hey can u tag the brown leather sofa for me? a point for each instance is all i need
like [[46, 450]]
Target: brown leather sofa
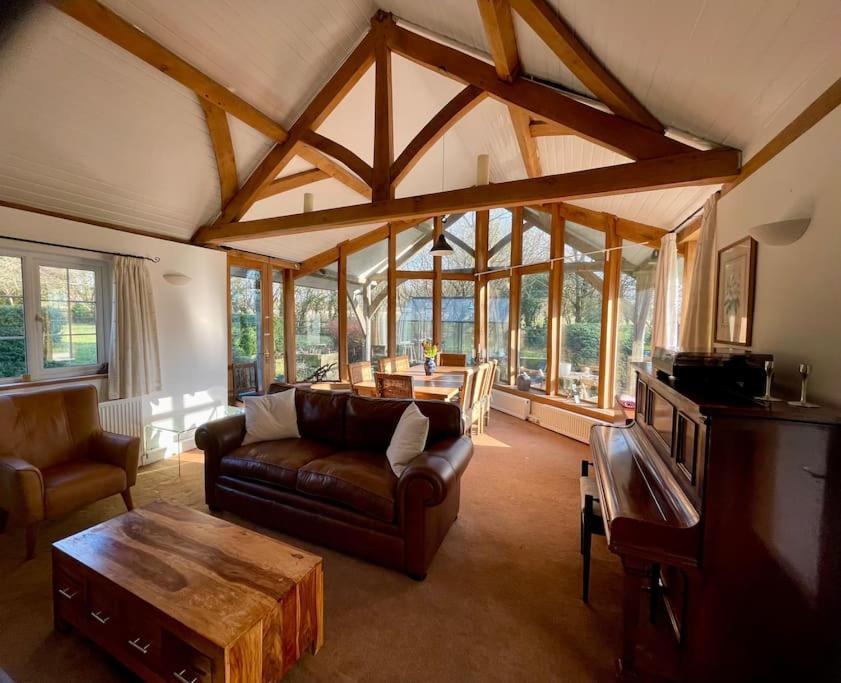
[[55, 458], [334, 485]]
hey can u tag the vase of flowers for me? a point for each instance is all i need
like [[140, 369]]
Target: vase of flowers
[[430, 353]]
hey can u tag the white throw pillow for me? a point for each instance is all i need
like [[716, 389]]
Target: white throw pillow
[[271, 417], [408, 440]]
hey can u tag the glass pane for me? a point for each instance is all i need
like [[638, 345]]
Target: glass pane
[[413, 247], [12, 332], [498, 302], [317, 326], [457, 317], [246, 330], [414, 318], [499, 238], [82, 285], [534, 308], [83, 318], [581, 313], [68, 316], [636, 289], [460, 231], [537, 231], [277, 326], [367, 310], [84, 349]]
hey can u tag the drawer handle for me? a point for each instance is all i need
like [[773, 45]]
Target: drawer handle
[[180, 677], [142, 649], [813, 474], [68, 593], [98, 616]]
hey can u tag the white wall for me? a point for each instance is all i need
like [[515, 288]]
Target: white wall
[[798, 287], [192, 319]]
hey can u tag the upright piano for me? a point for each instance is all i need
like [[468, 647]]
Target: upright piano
[[735, 505]]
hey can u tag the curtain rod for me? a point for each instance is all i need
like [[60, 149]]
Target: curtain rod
[[691, 215], [153, 259]]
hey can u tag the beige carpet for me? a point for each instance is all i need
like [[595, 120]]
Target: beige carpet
[[501, 602]]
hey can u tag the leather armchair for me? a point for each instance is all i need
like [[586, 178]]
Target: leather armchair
[[56, 458]]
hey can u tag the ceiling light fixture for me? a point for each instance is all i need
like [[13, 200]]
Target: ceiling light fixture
[[441, 247]]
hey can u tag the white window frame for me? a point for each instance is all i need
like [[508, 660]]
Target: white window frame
[[31, 261]]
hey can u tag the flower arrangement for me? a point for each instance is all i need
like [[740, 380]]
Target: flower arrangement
[[430, 349]]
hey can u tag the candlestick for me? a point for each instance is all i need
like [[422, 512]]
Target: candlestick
[[805, 371], [769, 376]]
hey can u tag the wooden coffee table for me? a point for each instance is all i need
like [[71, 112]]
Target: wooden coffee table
[[183, 597]]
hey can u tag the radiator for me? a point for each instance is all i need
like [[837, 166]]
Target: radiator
[[564, 422], [511, 404], [124, 417]]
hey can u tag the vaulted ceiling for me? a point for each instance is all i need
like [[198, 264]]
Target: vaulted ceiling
[[92, 131]]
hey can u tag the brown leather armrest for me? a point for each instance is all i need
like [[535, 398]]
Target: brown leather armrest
[[21, 490], [119, 450], [217, 439], [437, 468]]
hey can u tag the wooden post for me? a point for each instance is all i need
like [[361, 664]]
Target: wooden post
[[267, 327], [342, 311], [392, 290], [383, 113], [556, 289], [480, 291], [289, 340], [514, 294], [437, 286], [610, 307]]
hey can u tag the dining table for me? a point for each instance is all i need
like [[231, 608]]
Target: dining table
[[444, 384]]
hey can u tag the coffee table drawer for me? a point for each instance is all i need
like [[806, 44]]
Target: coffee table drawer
[[142, 638], [182, 663], [69, 593]]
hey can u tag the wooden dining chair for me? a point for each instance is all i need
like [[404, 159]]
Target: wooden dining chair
[[465, 400], [489, 385], [388, 365], [401, 363], [474, 413], [359, 372], [452, 359], [394, 386]]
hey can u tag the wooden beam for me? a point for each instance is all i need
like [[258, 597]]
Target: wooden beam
[[520, 120], [514, 290], [348, 75], [223, 149], [109, 25], [554, 333], [626, 137], [334, 170], [540, 129], [437, 288], [499, 31], [340, 153], [291, 182], [342, 312], [561, 39], [480, 289], [450, 114], [828, 100], [391, 314], [262, 258], [694, 168], [383, 112], [611, 298], [289, 341]]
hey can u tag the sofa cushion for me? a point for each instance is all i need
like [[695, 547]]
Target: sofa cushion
[[360, 480], [370, 422], [321, 415], [274, 462], [76, 483]]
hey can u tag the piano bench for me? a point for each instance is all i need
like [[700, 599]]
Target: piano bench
[[591, 523]]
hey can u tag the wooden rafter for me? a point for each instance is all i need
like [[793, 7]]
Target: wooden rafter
[[381, 184], [223, 149], [450, 114], [561, 39], [340, 153], [111, 26], [693, 168], [499, 31], [528, 146], [622, 135], [291, 182], [539, 129], [317, 111]]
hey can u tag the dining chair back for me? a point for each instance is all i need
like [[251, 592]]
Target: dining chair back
[[388, 365], [401, 363], [452, 359], [475, 415], [489, 385], [394, 386]]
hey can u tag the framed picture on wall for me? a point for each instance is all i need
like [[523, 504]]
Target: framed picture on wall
[[735, 284]]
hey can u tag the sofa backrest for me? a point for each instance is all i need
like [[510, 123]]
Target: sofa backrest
[[48, 427]]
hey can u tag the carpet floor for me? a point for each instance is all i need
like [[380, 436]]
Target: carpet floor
[[501, 601]]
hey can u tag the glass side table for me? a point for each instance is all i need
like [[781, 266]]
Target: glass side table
[[180, 427]]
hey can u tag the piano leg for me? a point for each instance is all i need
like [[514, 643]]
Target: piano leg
[[636, 572]]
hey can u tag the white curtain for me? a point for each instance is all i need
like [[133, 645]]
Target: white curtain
[[664, 325], [696, 334], [134, 366]]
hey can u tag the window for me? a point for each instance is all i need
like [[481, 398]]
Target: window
[[246, 329], [460, 231], [534, 310], [277, 326], [498, 297], [414, 318], [53, 315], [581, 314], [499, 238], [413, 247], [537, 236], [367, 309], [636, 289], [317, 324], [457, 317]]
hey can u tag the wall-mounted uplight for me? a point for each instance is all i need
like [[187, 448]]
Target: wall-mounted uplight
[[780, 233], [177, 279]]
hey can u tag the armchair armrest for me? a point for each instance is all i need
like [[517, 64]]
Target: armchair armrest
[[21, 490], [119, 450], [217, 439], [437, 468]]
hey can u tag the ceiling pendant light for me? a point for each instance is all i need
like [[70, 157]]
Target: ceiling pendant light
[[441, 248]]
